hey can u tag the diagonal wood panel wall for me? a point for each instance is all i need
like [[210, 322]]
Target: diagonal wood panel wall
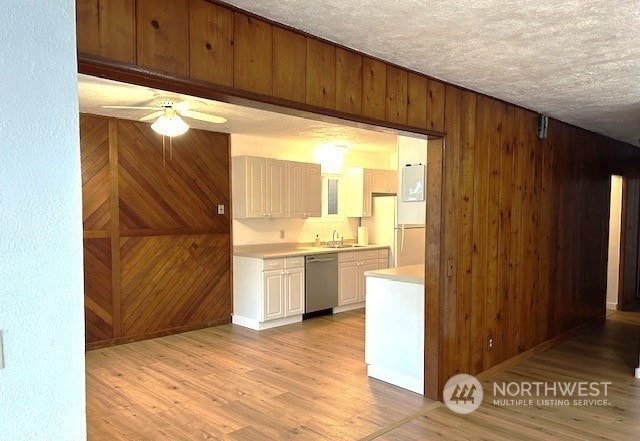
[[172, 261]]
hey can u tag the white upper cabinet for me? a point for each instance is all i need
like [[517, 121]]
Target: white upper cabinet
[[258, 187], [273, 188], [384, 181], [304, 189]]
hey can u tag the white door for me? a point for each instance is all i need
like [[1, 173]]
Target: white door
[[256, 173], [313, 188], [296, 174]]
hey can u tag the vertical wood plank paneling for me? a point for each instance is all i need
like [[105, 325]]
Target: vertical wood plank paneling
[[289, 65], [504, 235], [537, 234], [210, 43], [465, 227], [548, 227], [374, 84], [416, 100], [480, 229], [450, 206], [252, 54], [516, 264], [433, 282], [321, 74], [435, 105], [529, 268], [493, 232], [396, 106], [162, 35], [107, 29], [348, 81]]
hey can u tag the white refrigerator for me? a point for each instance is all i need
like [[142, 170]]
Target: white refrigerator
[[407, 241]]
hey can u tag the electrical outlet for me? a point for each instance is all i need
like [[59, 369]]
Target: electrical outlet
[[281, 234], [220, 209], [489, 342], [1, 352]]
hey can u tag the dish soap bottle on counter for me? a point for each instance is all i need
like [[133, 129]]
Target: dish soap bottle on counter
[[317, 240]]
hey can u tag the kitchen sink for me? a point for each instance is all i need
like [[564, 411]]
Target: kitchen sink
[[344, 245]]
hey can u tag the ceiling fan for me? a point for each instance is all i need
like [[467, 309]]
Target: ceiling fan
[[168, 113]]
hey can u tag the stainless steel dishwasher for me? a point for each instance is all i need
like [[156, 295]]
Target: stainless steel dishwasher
[[321, 283]]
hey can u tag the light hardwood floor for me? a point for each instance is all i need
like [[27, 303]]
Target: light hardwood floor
[[308, 381]]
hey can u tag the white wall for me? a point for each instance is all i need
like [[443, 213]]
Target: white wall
[[42, 386], [615, 221], [256, 231]]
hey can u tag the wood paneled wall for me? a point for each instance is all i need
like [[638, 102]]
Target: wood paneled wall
[[526, 230], [229, 50], [157, 256], [521, 247]]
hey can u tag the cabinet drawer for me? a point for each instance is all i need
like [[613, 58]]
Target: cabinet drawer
[[270, 264], [348, 257], [369, 254], [384, 253], [294, 262]]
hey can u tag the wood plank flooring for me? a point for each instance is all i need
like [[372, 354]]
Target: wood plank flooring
[[308, 382]]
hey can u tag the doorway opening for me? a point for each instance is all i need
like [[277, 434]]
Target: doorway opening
[[615, 233]]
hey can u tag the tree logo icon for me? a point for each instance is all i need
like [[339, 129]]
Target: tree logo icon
[[463, 393]]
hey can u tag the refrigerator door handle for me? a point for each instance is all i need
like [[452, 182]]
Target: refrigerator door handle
[[401, 240]]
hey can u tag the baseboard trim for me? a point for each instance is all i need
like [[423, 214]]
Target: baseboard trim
[[521, 357], [261, 326], [163, 333], [345, 308], [612, 306]]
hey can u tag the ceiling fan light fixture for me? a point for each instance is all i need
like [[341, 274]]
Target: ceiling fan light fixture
[[170, 125]]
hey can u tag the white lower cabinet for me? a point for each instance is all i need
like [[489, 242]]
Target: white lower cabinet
[[268, 292], [351, 281], [271, 292]]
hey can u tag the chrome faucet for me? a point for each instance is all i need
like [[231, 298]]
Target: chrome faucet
[[333, 236]]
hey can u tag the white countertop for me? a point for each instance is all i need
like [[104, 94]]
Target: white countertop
[[407, 274], [269, 251]]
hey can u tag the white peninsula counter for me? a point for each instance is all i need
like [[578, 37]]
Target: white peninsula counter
[[394, 326]]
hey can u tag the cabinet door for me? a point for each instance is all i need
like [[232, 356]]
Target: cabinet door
[[275, 188], [296, 174], [255, 170], [367, 265], [379, 181], [273, 295], [383, 263], [348, 286], [313, 190], [366, 193], [294, 292]]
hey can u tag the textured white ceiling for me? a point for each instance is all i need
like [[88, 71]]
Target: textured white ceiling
[[94, 93], [575, 60]]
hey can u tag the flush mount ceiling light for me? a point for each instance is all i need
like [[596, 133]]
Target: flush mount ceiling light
[[170, 124]]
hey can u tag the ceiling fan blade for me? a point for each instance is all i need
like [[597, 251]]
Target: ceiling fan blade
[[188, 104], [151, 116], [131, 107], [203, 116]]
